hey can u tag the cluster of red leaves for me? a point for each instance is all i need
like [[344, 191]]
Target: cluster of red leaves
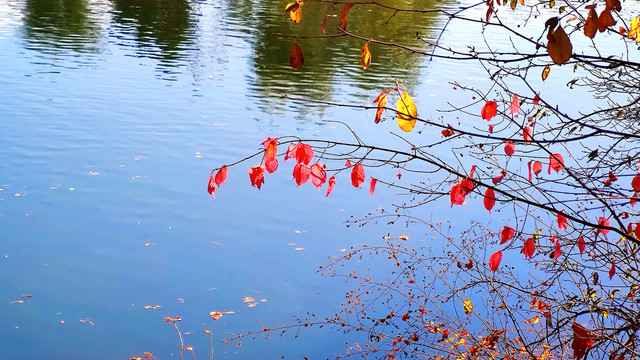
[[214, 182]]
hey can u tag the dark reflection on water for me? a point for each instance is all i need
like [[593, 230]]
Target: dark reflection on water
[[163, 29], [54, 25]]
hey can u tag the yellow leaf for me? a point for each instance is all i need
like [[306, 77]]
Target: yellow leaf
[[407, 112], [513, 4], [366, 57], [552, 3], [545, 72], [467, 306], [533, 320], [634, 29], [294, 9]]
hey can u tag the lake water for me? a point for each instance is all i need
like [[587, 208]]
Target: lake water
[[113, 113]]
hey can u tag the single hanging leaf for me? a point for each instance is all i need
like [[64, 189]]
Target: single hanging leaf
[[496, 180], [556, 251], [545, 73], [467, 306], [407, 112], [291, 152], [559, 46], [635, 183], [583, 339], [634, 198], [344, 14], [323, 23], [605, 20], [562, 222], [591, 26], [537, 167], [271, 165], [271, 148], [304, 153], [529, 248], [556, 162], [514, 3], [509, 148], [221, 175], [494, 260], [581, 244], [256, 175], [295, 11], [612, 270], [347, 163], [515, 105], [457, 195], [382, 102], [211, 187], [372, 186], [366, 57], [613, 5], [507, 234], [489, 199], [332, 184], [634, 29], [527, 134], [536, 100], [318, 175], [357, 175], [296, 59], [529, 167], [602, 222], [301, 173], [489, 110], [489, 10]]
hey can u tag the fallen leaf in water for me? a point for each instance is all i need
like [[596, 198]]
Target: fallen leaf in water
[[403, 237], [152, 307], [216, 315], [93, 173], [87, 320], [298, 248], [181, 300]]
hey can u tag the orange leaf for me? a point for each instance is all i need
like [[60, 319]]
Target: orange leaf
[[555, 162], [357, 175], [366, 57], [591, 26], [634, 29], [533, 320], [559, 46], [382, 101], [296, 59], [447, 132], [344, 14], [613, 4]]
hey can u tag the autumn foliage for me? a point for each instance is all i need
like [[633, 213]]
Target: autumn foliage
[[521, 279]]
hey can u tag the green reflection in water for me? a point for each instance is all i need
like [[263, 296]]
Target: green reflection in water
[[329, 61], [163, 29], [52, 25]]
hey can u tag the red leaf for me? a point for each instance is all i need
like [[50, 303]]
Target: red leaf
[[634, 198], [602, 222], [489, 199], [256, 175], [562, 222], [509, 148], [529, 167], [457, 195], [605, 20], [291, 152], [529, 248], [347, 163], [583, 339], [506, 235], [399, 175], [357, 175], [332, 184], [318, 175], [536, 100], [591, 25], [612, 270], [211, 188], [537, 167], [301, 173], [581, 244], [635, 183], [304, 153], [556, 162], [489, 110], [221, 175], [271, 147], [296, 59], [526, 133], [271, 165], [636, 231], [557, 252], [515, 105], [372, 186], [497, 179], [494, 260], [344, 14]]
